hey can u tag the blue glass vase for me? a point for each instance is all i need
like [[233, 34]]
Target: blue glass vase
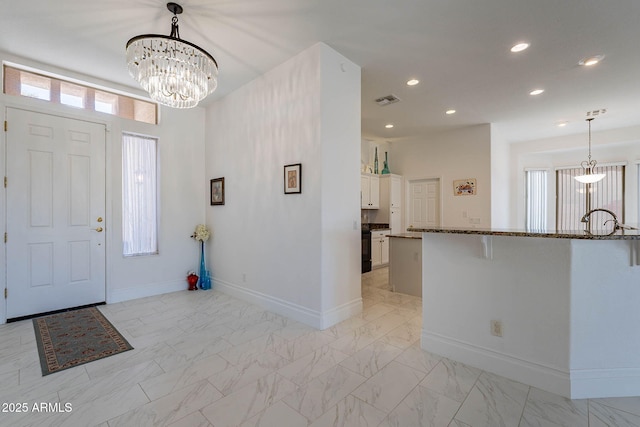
[[203, 268]]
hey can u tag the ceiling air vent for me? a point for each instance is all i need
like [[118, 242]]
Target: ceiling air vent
[[595, 113], [386, 100]]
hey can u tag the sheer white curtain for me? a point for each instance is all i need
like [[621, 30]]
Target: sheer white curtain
[[139, 195], [536, 214]]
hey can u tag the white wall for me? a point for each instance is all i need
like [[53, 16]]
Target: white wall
[[463, 291], [182, 187], [605, 338], [500, 182], [457, 154], [568, 309], [294, 254], [618, 145], [339, 137], [182, 199]]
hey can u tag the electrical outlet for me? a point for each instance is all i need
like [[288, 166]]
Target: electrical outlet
[[496, 328]]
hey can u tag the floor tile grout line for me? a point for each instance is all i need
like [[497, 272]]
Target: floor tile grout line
[[466, 397], [525, 405], [613, 407]]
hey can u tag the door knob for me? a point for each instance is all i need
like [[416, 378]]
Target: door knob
[[99, 229]]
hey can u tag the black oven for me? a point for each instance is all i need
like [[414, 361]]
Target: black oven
[[366, 251]]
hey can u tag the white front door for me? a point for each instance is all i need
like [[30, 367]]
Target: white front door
[[55, 213], [424, 203]]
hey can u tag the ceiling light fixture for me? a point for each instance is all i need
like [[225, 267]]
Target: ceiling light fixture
[[589, 165], [562, 124], [519, 47], [389, 126], [449, 112], [175, 72], [536, 92], [591, 60], [413, 82]]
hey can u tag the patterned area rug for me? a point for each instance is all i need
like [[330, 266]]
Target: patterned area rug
[[75, 337]]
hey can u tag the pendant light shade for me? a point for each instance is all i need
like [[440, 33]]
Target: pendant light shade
[[588, 177], [175, 72]]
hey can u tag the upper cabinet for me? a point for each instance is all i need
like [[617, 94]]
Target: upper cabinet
[[369, 191], [395, 191]]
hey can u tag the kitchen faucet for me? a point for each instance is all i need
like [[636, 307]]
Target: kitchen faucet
[[616, 224]]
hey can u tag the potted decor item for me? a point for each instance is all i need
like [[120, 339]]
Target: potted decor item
[[202, 234], [192, 280]]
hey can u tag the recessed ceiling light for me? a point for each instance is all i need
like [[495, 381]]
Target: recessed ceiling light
[[389, 126], [450, 112], [536, 92], [562, 124], [519, 47], [591, 60], [413, 82]]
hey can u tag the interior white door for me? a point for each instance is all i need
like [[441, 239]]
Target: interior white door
[[424, 203], [55, 213]]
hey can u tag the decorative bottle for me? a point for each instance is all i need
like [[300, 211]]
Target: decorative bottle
[[385, 169], [375, 162]]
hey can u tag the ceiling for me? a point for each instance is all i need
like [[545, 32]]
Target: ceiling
[[458, 49]]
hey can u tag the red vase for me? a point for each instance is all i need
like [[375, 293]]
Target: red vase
[[192, 279]]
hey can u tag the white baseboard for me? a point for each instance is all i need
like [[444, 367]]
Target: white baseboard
[[293, 311], [524, 371], [340, 313], [594, 383], [152, 289]]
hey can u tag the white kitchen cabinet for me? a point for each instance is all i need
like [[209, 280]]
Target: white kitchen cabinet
[[390, 211], [369, 191], [395, 220], [395, 191], [379, 248]]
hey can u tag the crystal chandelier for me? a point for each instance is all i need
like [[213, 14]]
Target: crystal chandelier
[[589, 165], [175, 72]]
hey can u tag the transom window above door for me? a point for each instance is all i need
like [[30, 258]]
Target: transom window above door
[[39, 85]]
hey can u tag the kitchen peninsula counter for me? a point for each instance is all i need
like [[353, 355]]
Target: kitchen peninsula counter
[[556, 310], [572, 234]]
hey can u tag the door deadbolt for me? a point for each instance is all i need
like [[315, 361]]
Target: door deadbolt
[[99, 219]]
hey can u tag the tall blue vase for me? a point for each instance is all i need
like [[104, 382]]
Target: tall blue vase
[[203, 268]]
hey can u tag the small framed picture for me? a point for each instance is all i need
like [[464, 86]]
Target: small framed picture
[[293, 179], [217, 191], [464, 187]]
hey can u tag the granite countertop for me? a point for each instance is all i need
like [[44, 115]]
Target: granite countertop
[[624, 234], [375, 227], [408, 235]]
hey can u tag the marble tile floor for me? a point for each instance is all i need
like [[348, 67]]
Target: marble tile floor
[[206, 359]]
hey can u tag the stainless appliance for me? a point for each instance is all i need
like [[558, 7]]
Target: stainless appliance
[[366, 250]]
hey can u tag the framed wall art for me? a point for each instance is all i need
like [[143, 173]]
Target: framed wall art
[[293, 179], [217, 191], [464, 187]]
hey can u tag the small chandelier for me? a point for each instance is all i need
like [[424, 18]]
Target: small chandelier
[[589, 165], [176, 73]]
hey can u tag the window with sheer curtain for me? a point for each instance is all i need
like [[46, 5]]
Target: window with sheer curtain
[[536, 197], [139, 195]]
